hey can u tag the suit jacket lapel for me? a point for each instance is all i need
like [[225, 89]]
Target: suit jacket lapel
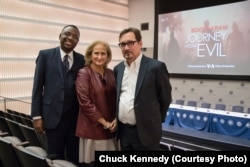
[[59, 63], [141, 75], [120, 73], [73, 67]]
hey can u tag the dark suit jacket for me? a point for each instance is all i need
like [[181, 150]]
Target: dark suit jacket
[[152, 98], [48, 86]]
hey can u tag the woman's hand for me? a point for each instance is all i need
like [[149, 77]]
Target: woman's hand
[[113, 126]]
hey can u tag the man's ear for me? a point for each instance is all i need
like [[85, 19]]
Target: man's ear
[[140, 42]]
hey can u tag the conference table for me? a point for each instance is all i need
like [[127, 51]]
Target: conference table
[[211, 120]]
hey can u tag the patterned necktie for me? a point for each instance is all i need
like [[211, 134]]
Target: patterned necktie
[[66, 62]]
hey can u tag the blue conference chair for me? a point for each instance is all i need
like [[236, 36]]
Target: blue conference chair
[[179, 101], [238, 109], [192, 103], [220, 106], [205, 105]]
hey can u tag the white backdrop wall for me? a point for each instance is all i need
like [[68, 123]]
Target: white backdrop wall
[[27, 26]]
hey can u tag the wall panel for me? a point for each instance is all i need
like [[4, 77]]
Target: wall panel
[[28, 26]]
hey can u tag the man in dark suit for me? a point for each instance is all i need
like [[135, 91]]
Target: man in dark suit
[[54, 102], [143, 95]]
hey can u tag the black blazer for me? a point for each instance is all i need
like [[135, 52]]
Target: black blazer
[[152, 98], [48, 86]]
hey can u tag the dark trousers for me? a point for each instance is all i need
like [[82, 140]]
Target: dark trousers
[[61, 142], [130, 141]]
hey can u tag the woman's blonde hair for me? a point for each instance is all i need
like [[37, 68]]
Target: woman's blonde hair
[[89, 50]]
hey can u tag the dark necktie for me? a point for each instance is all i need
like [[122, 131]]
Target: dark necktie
[[66, 62]]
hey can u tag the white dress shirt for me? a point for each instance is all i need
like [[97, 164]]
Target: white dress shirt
[[126, 105], [71, 58]]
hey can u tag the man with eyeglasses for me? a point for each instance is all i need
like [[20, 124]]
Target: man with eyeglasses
[[143, 95]]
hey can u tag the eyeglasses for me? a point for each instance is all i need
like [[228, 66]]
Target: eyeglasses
[[129, 44]]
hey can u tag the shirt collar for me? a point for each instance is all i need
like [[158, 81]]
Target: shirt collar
[[136, 63], [63, 54]]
